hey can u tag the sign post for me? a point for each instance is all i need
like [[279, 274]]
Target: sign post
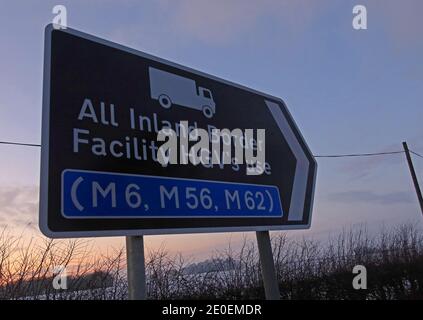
[[105, 110], [136, 268], [270, 281]]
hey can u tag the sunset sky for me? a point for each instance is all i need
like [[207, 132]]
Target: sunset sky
[[349, 92]]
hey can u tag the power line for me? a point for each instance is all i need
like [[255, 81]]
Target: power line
[[316, 156], [357, 154], [20, 144], [415, 153]]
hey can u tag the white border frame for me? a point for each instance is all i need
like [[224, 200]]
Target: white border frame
[[43, 206]]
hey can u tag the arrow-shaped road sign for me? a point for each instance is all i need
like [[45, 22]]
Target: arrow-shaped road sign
[[103, 107]]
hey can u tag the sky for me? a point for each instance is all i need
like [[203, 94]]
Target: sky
[[349, 91]]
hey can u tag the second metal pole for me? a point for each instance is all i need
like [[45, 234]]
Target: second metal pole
[[136, 268], [271, 286], [413, 175]]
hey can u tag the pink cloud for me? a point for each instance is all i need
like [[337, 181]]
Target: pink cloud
[[220, 22], [400, 19]]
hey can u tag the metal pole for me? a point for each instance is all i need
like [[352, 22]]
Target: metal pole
[[136, 268], [271, 287], [413, 175]]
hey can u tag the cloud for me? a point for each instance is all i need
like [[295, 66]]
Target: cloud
[[18, 205], [362, 166], [400, 19], [221, 21], [370, 197]]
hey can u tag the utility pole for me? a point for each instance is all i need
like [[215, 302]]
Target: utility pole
[[413, 175]]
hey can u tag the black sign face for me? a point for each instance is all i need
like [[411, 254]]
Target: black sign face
[[103, 107]]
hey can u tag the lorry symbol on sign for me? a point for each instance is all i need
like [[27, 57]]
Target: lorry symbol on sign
[[169, 88]]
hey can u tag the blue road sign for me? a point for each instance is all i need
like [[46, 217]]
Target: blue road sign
[[89, 194]]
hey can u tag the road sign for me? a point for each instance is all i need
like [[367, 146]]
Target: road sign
[[103, 107]]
